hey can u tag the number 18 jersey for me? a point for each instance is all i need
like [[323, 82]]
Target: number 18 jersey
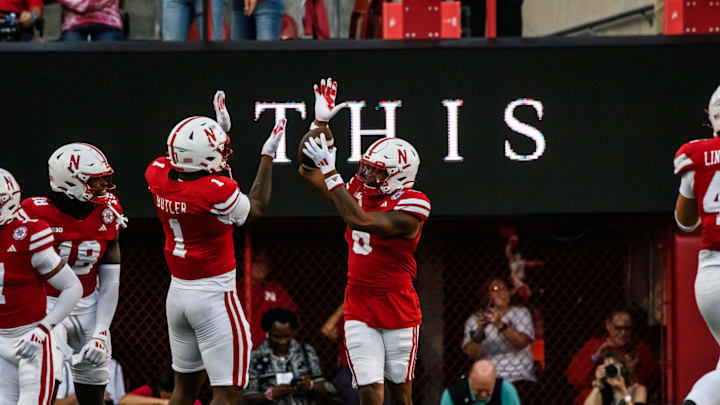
[[198, 235], [702, 157], [81, 243]]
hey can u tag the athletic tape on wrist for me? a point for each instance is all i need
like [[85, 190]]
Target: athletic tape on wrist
[[334, 181]]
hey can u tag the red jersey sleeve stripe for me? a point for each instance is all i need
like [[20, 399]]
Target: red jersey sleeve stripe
[[43, 233], [413, 209], [42, 243]]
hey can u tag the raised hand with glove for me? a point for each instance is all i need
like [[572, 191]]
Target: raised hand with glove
[[324, 159], [273, 141], [222, 116], [325, 107]]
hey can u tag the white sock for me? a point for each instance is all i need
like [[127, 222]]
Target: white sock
[[706, 390]]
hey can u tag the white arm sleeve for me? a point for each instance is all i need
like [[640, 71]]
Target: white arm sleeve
[[108, 293], [70, 292], [45, 260], [235, 214], [686, 184]]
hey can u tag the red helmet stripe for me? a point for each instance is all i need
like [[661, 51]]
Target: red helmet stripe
[[172, 141]]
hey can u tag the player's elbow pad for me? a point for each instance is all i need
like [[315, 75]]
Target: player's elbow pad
[[685, 228]]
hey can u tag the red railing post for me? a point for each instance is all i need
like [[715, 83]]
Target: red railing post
[[491, 19]]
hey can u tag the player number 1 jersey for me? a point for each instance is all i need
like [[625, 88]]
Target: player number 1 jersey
[[198, 233]]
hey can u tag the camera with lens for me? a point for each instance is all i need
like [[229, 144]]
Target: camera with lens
[[612, 371]]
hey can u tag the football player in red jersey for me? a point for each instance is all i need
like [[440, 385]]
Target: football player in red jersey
[[698, 204], [199, 207], [384, 218], [27, 261], [85, 218]]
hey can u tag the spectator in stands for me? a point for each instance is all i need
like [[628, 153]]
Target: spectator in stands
[[614, 382], [156, 394], [178, 16], [508, 16], [260, 21], [502, 333], [582, 368], [480, 387], [264, 296], [17, 18], [284, 370], [114, 390], [91, 20], [333, 329]]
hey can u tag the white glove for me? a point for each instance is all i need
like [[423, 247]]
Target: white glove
[[31, 343], [96, 350], [271, 145], [222, 116], [323, 157], [325, 107]]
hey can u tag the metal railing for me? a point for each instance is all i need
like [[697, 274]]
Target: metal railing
[[591, 28]]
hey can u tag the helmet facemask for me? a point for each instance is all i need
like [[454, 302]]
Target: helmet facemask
[[81, 172], [9, 197], [396, 158]]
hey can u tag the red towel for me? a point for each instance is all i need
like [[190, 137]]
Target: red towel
[[315, 20]]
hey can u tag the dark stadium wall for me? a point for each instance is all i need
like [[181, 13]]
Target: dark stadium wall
[[592, 126]]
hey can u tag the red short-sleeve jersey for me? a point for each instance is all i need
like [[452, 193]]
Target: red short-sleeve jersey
[[198, 244], [703, 157], [81, 243], [22, 289], [380, 266]]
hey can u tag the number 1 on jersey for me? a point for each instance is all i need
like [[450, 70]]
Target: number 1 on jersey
[[179, 250], [711, 201]]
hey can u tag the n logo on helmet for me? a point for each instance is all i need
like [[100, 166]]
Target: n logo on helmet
[[9, 183], [210, 134], [74, 160], [402, 156]]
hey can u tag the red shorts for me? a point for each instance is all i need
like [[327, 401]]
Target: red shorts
[[382, 309]]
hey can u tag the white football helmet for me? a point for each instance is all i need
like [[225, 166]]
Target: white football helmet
[[82, 172], [397, 157], [198, 143], [9, 196], [714, 111]]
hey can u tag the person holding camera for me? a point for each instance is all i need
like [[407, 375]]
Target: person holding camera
[[619, 338], [17, 19], [614, 383], [283, 370], [502, 333]]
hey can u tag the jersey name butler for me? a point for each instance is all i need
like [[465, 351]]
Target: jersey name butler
[[169, 206]]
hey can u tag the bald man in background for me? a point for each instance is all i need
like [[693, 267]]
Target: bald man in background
[[481, 387]]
